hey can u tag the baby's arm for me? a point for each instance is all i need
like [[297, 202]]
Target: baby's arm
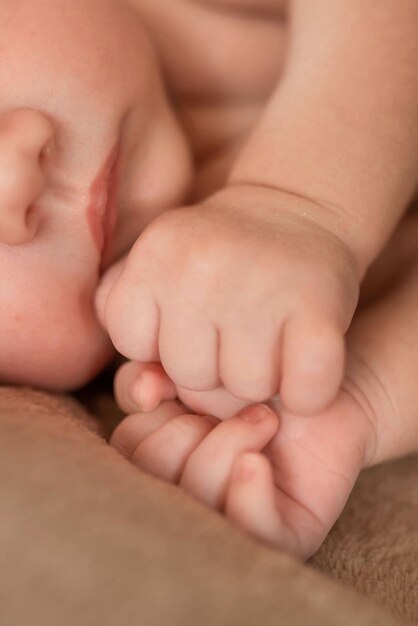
[[341, 130]]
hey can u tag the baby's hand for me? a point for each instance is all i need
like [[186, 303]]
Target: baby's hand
[[197, 452], [248, 290], [276, 476]]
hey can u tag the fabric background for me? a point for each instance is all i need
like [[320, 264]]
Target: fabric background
[[86, 539]]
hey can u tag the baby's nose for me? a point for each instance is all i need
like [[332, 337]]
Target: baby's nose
[[24, 138]]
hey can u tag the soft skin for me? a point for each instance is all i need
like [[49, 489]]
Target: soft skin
[[281, 475], [236, 292], [284, 477], [270, 264], [264, 276], [89, 86]]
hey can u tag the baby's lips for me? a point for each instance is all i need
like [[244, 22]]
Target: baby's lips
[[105, 286]]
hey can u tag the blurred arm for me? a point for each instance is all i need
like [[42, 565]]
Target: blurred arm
[[342, 127]]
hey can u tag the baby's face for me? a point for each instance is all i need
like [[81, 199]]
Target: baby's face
[[89, 154]]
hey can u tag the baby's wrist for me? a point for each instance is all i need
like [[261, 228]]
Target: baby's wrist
[[320, 215], [361, 209]]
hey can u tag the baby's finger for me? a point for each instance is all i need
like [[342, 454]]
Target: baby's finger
[[125, 378], [251, 500], [165, 452], [208, 470], [137, 427], [141, 387], [105, 287], [249, 361], [132, 315], [188, 349], [256, 502], [313, 366], [218, 402]]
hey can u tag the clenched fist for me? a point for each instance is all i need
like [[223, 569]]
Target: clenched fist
[[250, 291]]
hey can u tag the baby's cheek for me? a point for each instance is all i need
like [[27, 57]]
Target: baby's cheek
[[54, 361], [51, 339], [156, 174]]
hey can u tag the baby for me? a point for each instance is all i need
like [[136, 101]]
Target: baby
[[305, 158]]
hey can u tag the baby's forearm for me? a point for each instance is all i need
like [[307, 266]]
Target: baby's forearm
[[342, 127]]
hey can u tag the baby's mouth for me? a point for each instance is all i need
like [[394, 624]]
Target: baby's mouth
[[102, 210]]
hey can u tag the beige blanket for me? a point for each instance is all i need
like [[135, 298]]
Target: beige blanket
[[86, 540]]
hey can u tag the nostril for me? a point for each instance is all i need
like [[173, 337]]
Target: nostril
[[26, 139], [45, 155]]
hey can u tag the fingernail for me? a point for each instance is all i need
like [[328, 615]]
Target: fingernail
[[256, 413]]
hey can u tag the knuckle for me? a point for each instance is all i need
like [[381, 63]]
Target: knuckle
[[179, 242], [162, 236]]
